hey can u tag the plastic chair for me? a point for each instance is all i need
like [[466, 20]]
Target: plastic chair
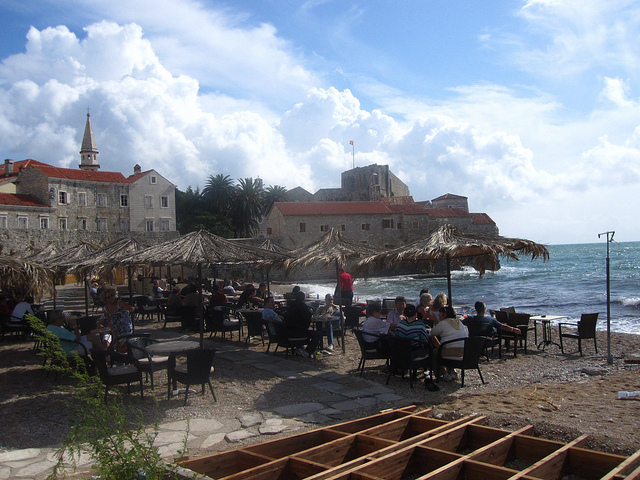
[[473, 348], [586, 329], [400, 359], [368, 353], [196, 370]]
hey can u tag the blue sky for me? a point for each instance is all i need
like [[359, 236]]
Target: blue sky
[[528, 108]]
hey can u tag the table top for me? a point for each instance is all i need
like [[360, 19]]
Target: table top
[[251, 310], [172, 346], [548, 318]]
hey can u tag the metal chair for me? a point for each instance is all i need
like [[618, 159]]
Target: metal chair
[[473, 348], [586, 329], [196, 370]]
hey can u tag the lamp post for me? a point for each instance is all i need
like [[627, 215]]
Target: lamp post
[[609, 235]]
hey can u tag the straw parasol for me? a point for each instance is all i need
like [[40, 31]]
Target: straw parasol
[[449, 242], [200, 248], [31, 277], [39, 256], [331, 248]]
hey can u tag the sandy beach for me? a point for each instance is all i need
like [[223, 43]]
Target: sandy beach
[[561, 395]]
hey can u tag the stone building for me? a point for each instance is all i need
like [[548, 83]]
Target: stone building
[[371, 206], [51, 204]]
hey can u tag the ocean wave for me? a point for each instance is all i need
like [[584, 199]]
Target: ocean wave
[[630, 301]]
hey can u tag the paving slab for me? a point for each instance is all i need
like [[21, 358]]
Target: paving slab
[[250, 419], [297, 409], [271, 429], [212, 439], [238, 435]]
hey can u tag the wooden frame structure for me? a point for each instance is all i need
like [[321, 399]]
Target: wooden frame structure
[[405, 444]]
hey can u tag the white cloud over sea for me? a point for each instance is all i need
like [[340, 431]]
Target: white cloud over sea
[[240, 100]]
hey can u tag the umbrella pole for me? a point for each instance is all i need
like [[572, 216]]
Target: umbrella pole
[[340, 306], [450, 303], [86, 295], [201, 302], [130, 274]]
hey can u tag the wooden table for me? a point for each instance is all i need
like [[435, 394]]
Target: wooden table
[[545, 321], [172, 346]]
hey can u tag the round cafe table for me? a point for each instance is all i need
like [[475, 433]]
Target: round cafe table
[[172, 346]]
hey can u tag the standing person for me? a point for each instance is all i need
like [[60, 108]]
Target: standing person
[[346, 287], [396, 316]]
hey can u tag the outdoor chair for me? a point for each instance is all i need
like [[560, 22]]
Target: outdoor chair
[[171, 315], [20, 327], [218, 320], [286, 342], [516, 320], [400, 359], [136, 346], [586, 329], [97, 303], [352, 316], [254, 323], [473, 348], [368, 353], [196, 371], [128, 372]]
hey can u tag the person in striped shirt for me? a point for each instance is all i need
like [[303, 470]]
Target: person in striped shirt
[[414, 329]]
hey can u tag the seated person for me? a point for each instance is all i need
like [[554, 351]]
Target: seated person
[[262, 292], [21, 309], [157, 289], [329, 310], [434, 309], [57, 328], [297, 320], [248, 298], [194, 298], [5, 309], [228, 289], [174, 302], [483, 326], [449, 328], [269, 314], [424, 302], [395, 316], [374, 327], [414, 329], [217, 297]]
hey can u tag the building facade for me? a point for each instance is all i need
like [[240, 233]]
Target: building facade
[[51, 204], [378, 210]]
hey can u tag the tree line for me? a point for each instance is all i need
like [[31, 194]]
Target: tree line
[[225, 209]]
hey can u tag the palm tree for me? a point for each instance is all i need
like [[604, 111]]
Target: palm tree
[[273, 194], [219, 192], [247, 207]]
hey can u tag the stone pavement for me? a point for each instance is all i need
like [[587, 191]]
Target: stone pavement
[[342, 394]]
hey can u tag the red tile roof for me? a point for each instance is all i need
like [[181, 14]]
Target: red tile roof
[[448, 196], [21, 200], [332, 208], [447, 213], [482, 219], [20, 163], [77, 174]]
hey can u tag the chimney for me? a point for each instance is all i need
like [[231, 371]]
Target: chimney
[[137, 169], [8, 166]]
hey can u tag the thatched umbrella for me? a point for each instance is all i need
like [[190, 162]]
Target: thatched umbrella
[[200, 248], [331, 248], [102, 261], [46, 253], [449, 242], [30, 277]]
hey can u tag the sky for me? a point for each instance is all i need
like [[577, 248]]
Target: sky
[[528, 108]]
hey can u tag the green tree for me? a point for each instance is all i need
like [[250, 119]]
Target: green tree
[[247, 207], [219, 193], [273, 194], [189, 205]]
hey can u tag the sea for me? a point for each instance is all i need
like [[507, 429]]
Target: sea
[[571, 282]]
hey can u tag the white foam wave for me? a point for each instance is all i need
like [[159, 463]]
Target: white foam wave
[[630, 301]]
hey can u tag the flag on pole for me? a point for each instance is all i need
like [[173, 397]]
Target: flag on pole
[[350, 142]]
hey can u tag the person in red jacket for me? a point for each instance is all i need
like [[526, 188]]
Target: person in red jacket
[[346, 287]]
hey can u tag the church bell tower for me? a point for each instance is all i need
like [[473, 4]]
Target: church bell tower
[[88, 151]]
